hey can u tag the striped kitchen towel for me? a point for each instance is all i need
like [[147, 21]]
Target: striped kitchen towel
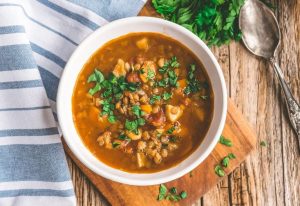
[[36, 39]]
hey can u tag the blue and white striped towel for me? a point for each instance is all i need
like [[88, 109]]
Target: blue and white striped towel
[[36, 39]]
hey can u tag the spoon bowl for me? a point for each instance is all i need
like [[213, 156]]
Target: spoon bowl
[[261, 34]]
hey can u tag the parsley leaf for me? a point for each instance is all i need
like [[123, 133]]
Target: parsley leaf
[[219, 171], [225, 161], [124, 137], [193, 83], [150, 74], [116, 144], [154, 98], [172, 195], [111, 118], [183, 195], [137, 111], [132, 126], [171, 130], [95, 89], [97, 76], [162, 192], [225, 141], [166, 96], [263, 143]]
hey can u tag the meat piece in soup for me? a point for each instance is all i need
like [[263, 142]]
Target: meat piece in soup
[[142, 103]]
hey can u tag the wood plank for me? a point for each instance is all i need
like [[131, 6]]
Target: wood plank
[[290, 63], [120, 194]]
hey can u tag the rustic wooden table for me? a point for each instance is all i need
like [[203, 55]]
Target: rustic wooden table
[[270, 175]]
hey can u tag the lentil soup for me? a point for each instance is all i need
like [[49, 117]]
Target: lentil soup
[[142, 103]]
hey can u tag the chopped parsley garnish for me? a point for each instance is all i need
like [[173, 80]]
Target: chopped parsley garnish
[[219, 171], [163, 83], [191, 174], [154, 98], [171, 195], [132, 126], [173, 138], [171, 64], [193, 83], [116, 144], [111, 119], [224, 164], [173, 78], [95, 89], [124, 137], [107, 109], [225, 141], [112, 91], [141, 71], [263, 143], [170, 78], [137, 111], [150, 74], [162, 192], [171, 130], [166, 96], [204, 97], [98, 78]]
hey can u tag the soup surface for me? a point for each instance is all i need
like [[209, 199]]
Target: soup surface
[[142, 103]]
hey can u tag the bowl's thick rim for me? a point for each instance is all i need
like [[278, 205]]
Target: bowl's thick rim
[[144, 181]]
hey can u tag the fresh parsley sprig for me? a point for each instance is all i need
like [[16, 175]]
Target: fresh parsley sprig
[[170, 194], [214, 21]]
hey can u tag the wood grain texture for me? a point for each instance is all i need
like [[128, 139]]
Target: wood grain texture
[[270, 175]]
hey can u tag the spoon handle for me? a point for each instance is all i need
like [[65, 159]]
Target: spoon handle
[[292, 106]]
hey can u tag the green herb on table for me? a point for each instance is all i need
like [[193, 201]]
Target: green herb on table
[[225, 141], [191, 174], [219, 171], [214, 21], [170, 195], [263, 143], [225, 161]]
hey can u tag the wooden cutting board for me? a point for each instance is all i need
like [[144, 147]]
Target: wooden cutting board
[[203, 177]]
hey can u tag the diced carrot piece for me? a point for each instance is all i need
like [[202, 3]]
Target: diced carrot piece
[[182, 83], [146, 108]]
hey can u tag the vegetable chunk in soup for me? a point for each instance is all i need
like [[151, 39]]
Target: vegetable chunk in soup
[[142, 103]]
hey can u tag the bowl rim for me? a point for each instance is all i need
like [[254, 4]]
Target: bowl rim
[[145, 181]]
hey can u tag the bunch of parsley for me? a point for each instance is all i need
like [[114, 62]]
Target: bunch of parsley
[[213, 21]]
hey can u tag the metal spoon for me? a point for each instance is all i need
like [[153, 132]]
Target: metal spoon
[[261, 36]]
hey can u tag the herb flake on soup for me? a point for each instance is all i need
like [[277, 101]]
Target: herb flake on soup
[[142, 103]]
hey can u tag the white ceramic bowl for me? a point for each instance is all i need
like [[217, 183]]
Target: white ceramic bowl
[[112, 31]]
